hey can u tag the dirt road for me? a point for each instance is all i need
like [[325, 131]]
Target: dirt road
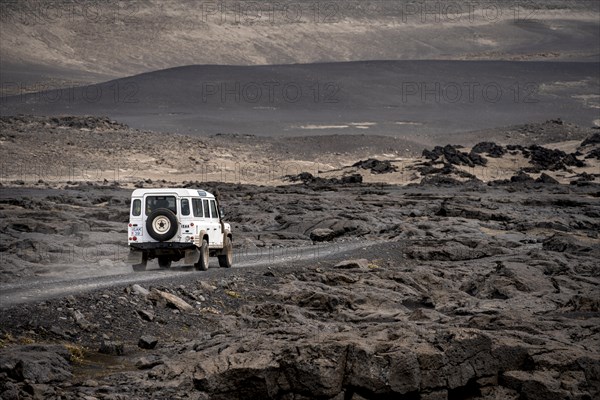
[[31, 291]]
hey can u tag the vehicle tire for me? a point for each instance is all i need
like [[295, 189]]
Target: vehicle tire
[[142, 266], [226, 260], [164, 262], [202, 264], [162, 224]]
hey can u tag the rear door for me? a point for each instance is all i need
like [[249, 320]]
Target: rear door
[[215, 222], [153, 201], [136, 221], [186, 217], [199, 220]]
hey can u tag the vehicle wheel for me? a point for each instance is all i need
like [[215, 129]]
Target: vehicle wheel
[[202, 264], [164, 262], [142, 266], [162, 224], [226, 260]]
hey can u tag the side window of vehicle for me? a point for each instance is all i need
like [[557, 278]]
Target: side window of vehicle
[[206, 210], [213, 209], [185, 207], [136, 208], [197, 204]]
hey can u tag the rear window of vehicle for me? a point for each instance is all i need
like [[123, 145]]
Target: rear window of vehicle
[[136, 207], [155, 202], [185, 207]]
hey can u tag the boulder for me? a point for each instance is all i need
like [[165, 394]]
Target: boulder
[[322, 235], [547, 179], [111, 348], [593, 139], [490, 148], [376, 166], [521, 177], [146, 315], [139, 290], [171, 300], [147, 342], [36, 363], [353, 264]]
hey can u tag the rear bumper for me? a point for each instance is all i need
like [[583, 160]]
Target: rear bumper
[[162, 246]]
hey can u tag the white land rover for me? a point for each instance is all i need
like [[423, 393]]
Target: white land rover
[[171, 224]]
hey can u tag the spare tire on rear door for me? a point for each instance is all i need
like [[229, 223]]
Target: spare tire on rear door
[[162, 224]]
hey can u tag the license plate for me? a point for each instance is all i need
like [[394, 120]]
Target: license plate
[[136, 231]]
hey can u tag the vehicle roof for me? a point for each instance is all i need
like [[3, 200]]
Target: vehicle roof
[[177, 191]]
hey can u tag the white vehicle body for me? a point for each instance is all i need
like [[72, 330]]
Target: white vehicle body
[[174, 223]]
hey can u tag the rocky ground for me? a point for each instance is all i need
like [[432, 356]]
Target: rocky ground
[[474, 275]]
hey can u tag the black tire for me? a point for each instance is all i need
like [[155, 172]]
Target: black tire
[[142, 266], [164, 262], [226, 260], [162, 224], [202, 264]]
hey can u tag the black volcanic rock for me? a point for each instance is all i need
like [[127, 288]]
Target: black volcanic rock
[[476, 159], [147, 342], [545, 178], [376, 166], [308, 178], [464, 291], [595, 153], [75, 122], [514, 147], [572, 161], [111, 347], [550, 159], [36, 363], [428, 169], [490, 148], [353, 178], [433, 154], [521, 177], [305, 177], [440, 180], [454, 156], [594, 139], [585, 177], [564, 243]]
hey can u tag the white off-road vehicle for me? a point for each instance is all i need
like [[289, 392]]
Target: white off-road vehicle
[[171, 224]]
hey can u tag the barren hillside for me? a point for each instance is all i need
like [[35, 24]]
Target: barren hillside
[[61, 44]]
